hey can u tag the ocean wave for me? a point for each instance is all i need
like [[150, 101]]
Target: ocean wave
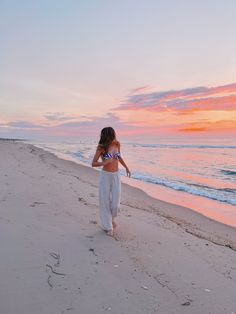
[[84, 155], [225, 195], [179, 146], [228, 172]]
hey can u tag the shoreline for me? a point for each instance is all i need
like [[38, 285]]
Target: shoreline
[[218, 211], [55, 257], [202, 226]]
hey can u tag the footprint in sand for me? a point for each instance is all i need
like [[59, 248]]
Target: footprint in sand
[[37, 203], [81, 199], [57, 257], [90, 237], [93, 251]]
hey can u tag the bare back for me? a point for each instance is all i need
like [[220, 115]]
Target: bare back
[[113, 164]]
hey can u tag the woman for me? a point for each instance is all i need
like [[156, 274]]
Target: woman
[[109, 184]]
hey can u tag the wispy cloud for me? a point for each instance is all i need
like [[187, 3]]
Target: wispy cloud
[[216, 126], [68, 126], [141, 89], [184, 101], [93, 124], [59, 116], [143, 113], [21, 125]]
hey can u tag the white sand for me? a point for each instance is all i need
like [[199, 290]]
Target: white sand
[[55, 259]]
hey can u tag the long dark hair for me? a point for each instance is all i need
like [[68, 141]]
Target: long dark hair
[[108, 135]]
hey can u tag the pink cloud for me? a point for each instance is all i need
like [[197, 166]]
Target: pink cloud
[[59, 116], [141, 89], [83, 126], [21, 125], [209, 126], [185, 100]]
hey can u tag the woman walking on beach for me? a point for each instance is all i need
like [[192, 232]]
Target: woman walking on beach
[[108, 150]]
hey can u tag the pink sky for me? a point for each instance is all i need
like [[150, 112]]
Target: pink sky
[[143, 113], [150, 69]]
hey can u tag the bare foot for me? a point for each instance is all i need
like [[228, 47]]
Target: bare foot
[[109, 232], [114, 224]]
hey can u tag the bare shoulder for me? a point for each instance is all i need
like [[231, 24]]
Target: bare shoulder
[[100, 148], [117, 143]]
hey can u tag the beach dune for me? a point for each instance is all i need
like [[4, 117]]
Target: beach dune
[[55, 258]]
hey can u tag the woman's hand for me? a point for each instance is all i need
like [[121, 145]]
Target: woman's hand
[[128, 173]]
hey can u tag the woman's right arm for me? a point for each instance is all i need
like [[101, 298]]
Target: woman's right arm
[[95, 162]]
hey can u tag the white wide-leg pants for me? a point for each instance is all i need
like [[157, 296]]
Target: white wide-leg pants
[[109, 197]]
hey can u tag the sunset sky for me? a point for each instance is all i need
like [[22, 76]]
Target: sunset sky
[[151, 69]]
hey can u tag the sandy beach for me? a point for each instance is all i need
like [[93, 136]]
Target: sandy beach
[[55, 258]]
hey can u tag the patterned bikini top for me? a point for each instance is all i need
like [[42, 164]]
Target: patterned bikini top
[[115, 155]]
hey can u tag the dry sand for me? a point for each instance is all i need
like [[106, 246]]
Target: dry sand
[[55, 259]]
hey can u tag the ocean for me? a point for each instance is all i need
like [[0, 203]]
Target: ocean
[[201, 176]]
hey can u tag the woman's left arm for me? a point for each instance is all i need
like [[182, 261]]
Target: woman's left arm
[[121, 160]]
